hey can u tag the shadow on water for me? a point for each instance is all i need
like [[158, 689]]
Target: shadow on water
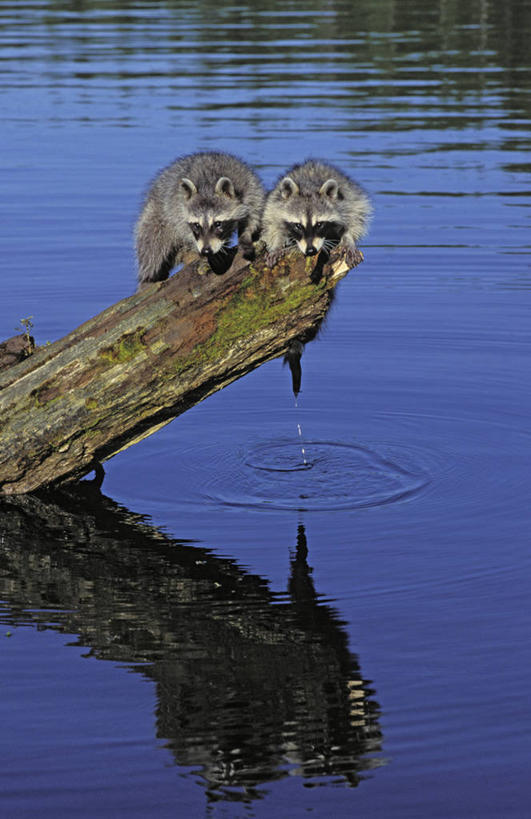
[[252, 686]]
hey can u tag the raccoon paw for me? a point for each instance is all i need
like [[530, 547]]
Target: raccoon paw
[[203, 267], [273, 257], [352, 255], [248, 251]]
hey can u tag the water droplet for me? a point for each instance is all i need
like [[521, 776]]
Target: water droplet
[[303, 451]]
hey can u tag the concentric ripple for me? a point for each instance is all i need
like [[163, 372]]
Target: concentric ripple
[[331, 475]]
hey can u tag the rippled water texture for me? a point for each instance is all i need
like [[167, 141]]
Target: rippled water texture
[[253, 621], [336, 476]]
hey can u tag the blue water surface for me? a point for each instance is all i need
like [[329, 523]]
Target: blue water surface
[[222, 634]]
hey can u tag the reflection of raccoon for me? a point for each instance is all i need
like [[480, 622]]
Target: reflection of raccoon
[[315, 207], [195, 205]]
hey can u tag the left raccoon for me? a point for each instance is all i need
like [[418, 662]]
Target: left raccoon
[[194, 206]]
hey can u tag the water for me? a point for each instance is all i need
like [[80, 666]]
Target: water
[[303, 451], [301, 441], [229, 631]]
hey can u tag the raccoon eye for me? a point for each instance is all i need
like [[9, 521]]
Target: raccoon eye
[[319, 225], [195, 227], [218, 225]]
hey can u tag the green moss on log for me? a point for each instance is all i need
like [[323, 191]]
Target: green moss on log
[[250, 310], [127, 348]]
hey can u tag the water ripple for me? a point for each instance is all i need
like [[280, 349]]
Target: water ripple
[[329, 475]]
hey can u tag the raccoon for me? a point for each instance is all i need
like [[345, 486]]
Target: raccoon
[[315, 207], [193, 207]]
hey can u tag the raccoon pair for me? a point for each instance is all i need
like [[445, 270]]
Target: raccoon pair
[[197, 204]]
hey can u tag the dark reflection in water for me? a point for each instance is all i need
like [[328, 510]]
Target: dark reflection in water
[[393, 55], [252, 686]]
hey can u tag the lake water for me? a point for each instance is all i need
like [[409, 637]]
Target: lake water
[[213, 637]]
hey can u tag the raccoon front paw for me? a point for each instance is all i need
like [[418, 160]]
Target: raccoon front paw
[[352, 255], [203, 267], [248, 251], [273, 257]]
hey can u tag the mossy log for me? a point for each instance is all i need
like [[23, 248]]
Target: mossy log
[[142, 362]]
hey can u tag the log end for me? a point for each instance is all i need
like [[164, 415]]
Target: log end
[[16, 349]]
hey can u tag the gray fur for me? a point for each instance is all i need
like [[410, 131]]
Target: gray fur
[[312, 194], [185, 203]]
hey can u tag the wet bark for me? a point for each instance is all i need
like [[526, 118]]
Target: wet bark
[[142, 362], [15, 349]]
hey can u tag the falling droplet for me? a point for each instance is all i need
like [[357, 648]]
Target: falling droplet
[[303, 451]]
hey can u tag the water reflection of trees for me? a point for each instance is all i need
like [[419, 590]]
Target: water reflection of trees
[[381, 38], [252, 686]]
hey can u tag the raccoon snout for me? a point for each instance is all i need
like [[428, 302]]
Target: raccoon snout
[[311, 251], [206, 251]]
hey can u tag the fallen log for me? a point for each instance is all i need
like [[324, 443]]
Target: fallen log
[[15, 349], [142, 362]]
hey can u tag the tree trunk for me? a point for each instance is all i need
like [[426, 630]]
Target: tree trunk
[[137, 365]]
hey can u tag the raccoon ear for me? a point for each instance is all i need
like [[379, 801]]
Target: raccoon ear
[[329, 188], [288, 187], [189, 189], [224, 186]]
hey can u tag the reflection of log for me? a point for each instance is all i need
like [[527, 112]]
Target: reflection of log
[[136, 366], [251, 686]]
